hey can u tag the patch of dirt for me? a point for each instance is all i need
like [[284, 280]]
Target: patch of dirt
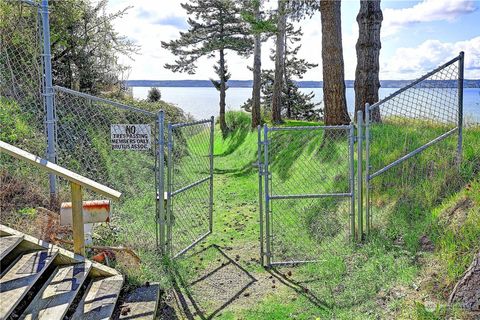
[[455, 216], [426, 244], [228, 283]]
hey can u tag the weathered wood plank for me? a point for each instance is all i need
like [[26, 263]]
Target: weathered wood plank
[[100, 298], [141, 303], [21, 277], [63, 257], [58, 292], [7, 244], [59, 171]]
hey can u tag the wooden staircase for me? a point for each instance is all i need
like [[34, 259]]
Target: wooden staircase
[[39, 280]]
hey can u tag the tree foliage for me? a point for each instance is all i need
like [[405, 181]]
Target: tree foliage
[[154, 95], [215, 26], [297, 105], [85, 46], [261, 27]]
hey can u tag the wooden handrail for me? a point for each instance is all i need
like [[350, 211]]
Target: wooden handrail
[[76, 183], [59, 171]]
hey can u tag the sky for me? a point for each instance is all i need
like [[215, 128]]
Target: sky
[[416, 37]]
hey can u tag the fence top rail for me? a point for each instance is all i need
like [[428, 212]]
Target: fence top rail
[[188, 124], [414, 83], [339, 127], [110, 102], [58, 170]]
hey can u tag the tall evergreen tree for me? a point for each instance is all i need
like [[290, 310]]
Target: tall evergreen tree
[[368, 47], [286, 9], [215, 27], [335, 102], [279, 61], [296, 105], [262, 27]]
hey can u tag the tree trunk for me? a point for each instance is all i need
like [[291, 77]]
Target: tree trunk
[[467, 291], [279, 63], [335, 103], [257, 73], [223, 89], [368, 47], [288, 103]]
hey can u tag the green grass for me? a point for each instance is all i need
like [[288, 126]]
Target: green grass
[[412, 200], [347, 281]]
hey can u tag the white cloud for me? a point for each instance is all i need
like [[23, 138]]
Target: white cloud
[[409, 63], [425, 11]]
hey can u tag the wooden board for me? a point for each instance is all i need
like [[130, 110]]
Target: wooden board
[[56, 295], [7, 244], [141, 303], [20, 279], [58, 171], [63, 257], [100, 298]]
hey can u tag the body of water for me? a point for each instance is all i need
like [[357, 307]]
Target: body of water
[[203, 102]]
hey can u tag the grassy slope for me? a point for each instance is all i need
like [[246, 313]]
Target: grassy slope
[[348, 281]]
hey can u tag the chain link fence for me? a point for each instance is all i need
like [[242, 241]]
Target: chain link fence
[[91, 139], [418, 150], [189, 184], [22, 116], [21, 71], [308, 183]]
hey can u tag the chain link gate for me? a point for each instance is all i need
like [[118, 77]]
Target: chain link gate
[[189, 186], [307, 203]]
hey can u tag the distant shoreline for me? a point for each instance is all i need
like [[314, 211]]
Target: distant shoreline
[[468, 83]]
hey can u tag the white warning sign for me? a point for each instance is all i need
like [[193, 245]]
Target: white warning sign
[[130, 136]]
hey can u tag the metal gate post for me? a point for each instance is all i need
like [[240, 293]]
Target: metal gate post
[[460, 107], [367, 170], [210, 213], [266, 176], [260, 192], [169, 188], [48, 94], [360, 174], [161, 178], [352, 181]]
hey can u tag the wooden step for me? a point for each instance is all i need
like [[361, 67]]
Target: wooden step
[[20, 278], [58, 292], [141, 303], [7, 244], [99, 299]]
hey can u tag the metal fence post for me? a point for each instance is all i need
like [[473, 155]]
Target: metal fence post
[[169, 188], [266, 175], [161, 178], [260, 192], [460, 107], [352, 180], [360, 174], [48, 93], [367, 169], [212, 128]]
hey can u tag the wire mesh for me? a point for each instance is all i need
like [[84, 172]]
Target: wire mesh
[[21, 68], [310, 192], [87, 130], [415, 160], [189, 184]]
